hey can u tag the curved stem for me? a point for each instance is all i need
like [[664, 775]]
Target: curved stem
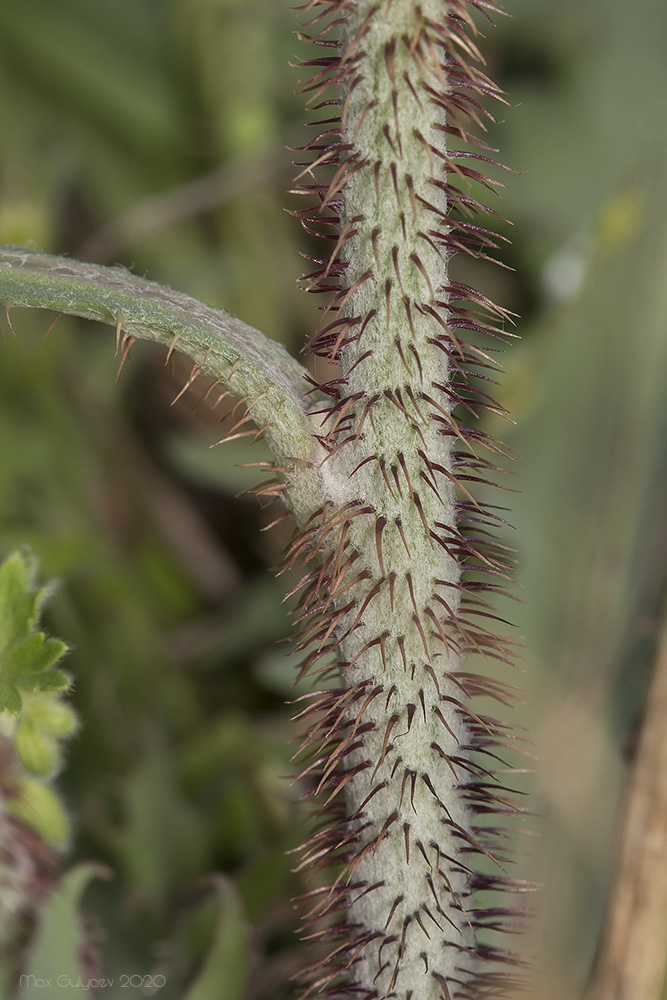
[[251, 367]]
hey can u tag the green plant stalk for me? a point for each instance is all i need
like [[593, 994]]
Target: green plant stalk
[[381, 472], [404, 560], [243, 362]]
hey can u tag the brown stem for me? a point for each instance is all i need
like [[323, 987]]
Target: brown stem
[[632, 961]]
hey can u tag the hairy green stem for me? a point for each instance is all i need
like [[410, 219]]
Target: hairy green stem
[[247, 364], [394, 271], [401, 553]]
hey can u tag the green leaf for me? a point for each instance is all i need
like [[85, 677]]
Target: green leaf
[[27, 658], [18, 602], [53, 680], [228, 960], [55, 954], [28, 667], [10, 699], [38, 751], [51, 716], [38, 805], [162, 839], [34, 654]]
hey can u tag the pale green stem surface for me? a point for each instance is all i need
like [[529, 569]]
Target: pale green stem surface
[[413, 917], [251, 367]]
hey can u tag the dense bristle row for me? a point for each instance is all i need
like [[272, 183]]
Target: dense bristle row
[[399, 569]]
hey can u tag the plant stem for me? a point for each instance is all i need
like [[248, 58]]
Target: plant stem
[[249, 366], [404, 558]]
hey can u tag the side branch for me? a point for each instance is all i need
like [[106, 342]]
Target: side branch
[[247, 364]]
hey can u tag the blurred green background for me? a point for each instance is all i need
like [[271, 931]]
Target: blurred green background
[[153, 133]]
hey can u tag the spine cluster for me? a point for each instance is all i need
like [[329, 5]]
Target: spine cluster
[[399, 565]]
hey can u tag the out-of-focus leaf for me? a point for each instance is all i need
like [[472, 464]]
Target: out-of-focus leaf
[[229, 466], [34, 654], [568, 97], [27, 667], [228, 960], [27, 658], [18, 599], [53, 966], [161, 840], [593, 481], [38, 805]]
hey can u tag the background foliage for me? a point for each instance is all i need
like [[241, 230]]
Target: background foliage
[[154, 134]]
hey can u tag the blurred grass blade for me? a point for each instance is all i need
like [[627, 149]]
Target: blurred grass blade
[[55, 956], [227, 967], [594, 449], [633, 957]]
